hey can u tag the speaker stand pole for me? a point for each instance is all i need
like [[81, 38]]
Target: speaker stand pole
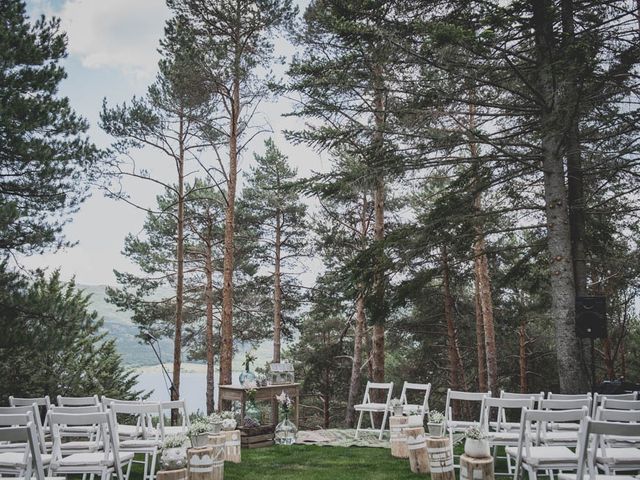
[[593, 365]]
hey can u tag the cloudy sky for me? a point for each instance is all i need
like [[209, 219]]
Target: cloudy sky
[[112, 55]]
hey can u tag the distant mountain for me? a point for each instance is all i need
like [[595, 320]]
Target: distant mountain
[[118, 325]]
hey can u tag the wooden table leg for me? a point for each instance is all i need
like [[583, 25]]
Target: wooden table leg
[[274, 411], [242, 405], [297, 408]]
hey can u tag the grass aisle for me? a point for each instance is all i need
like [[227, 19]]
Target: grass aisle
[[311, 462]]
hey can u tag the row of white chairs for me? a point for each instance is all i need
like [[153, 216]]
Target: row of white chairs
[[84, 433], [386, 391]]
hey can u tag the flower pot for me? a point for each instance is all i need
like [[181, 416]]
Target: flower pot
[[476, 448], [200, 440], [415, 421], [216, 427], [398, 410], [174, 458], [229, 424], [436, 429]]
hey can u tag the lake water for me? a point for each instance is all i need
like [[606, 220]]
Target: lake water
[[193, 388]]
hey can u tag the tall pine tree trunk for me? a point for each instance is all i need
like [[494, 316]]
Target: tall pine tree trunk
[[359, 331], [208, 295], [277, 292], [177, 340], [226, 327], [522, 355], [452, 348], [571, 375], [482, 358], [379, 312]]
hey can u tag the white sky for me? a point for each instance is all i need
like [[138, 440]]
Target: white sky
[[112, 54]]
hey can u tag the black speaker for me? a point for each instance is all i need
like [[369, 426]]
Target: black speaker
[[591, 317]]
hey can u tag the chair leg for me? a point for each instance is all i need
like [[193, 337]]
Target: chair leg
[[152, 472], [359, 423], [384, 422], [373, 425]]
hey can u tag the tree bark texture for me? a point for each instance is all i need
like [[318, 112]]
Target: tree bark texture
[[571, 376], [277, 291]]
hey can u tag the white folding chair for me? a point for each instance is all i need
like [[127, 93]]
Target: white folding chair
[[43, 445], [456, 425], [420, 409], [76, 432], [517, 395], [151, 438], [105, 459], [500, 432], [43, 403], [368, 406], [622, 445], [125, 431], [590, 454], [597, 398], [531, 455], [615, 404], [565, 433], [181, 406], [15, 456], [31, 465]]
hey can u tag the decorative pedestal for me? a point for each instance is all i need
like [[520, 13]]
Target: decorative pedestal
[[206, 463], [440, 458], [418, 455], [398, 438], [232, 451], [180, 474], [476, 468]]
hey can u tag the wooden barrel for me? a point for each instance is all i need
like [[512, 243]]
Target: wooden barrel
[[207, 463], [476, 468], [398, 439], [440, 458], [232, 451], [417, 448], [180, 474]]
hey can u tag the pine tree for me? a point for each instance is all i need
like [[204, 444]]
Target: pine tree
[[280, 217], [45, 157], [235, 39]]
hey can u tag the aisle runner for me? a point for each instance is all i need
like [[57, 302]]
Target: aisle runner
[[342, 438]]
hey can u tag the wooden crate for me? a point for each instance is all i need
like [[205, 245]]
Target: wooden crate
[[257, 437]]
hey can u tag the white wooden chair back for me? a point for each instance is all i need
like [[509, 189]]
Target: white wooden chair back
[[33, 410], [588, 447], [417, 387], [533, 425], [106, 432], [598, 397], [502, 405], [77, 401], [25, 434], [565, 404], [377, 386], [461, 396], [144, 413], [180, 405], [616, 404], [567, 396], [43, 403], [509, 395]]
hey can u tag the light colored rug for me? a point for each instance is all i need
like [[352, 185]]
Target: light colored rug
[[335, 437]]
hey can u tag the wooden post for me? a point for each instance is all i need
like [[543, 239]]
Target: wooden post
[[398, 438], [476, 468], [232, 451], [206, 463], [180, 474], [440, 458], [417, 449]]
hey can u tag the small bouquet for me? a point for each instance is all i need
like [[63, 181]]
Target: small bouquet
[[249, 358], [285, 402], [250, 389], [475, 433]]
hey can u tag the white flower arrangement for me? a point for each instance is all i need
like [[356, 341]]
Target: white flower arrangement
[[215, 418], [436, 416], [285, 401], [175, 441], [199, 426], [395, 402], [227, 415], [474, 432]]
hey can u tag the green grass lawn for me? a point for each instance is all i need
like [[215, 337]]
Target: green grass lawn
[[310, 462]]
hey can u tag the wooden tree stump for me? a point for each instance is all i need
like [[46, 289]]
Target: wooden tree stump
[[417, 449], [440, 458], [180, 474], [232, 451], [398, 438], [206, 463], [476, 468]]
